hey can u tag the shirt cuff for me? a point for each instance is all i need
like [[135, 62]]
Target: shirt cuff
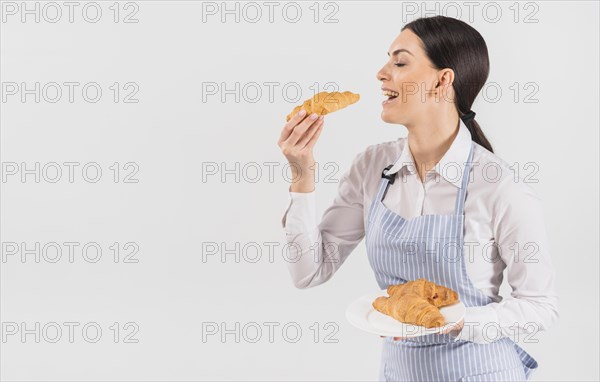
[[481, 325], [301, 214]]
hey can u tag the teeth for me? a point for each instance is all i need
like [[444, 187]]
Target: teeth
[[389, 93]]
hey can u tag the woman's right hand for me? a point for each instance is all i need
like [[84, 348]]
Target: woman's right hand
[[296, 142]]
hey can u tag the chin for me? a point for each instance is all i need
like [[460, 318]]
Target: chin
[[386, 117]]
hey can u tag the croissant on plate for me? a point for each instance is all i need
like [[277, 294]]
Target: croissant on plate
[[437, 295], [326, 102], [410, 308]]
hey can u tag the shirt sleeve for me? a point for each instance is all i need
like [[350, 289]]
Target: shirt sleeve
[[523, 245], [316, 250]]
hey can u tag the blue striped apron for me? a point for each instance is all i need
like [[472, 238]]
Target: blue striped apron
[[431, 247]]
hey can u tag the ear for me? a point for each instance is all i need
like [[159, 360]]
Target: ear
[[444, 89], [445, 77]]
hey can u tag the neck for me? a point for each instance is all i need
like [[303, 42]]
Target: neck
[[429, 140]]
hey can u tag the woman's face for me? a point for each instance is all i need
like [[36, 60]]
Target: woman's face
[[411, 75]]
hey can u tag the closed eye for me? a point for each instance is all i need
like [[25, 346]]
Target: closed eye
[[399, 64]]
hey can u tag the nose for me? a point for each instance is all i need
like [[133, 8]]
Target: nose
[[381, 74]]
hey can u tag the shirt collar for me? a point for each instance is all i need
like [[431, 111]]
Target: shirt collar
[[450, 167]]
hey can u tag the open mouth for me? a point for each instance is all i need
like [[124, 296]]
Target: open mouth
[[391, 95]]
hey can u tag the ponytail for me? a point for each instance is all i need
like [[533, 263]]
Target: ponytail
[[477, 135]]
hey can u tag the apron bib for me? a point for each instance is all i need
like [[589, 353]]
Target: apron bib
[[431, 247]]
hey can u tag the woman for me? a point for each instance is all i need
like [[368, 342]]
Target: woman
[[439, 205]]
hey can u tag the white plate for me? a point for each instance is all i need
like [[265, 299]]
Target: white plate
[[361, 314]]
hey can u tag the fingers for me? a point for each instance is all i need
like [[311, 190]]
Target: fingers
[[289, 126], [301, 128], [456, 328], [311, 143], [395, 338], [311, 132]]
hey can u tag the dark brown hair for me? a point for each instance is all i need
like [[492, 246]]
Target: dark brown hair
[[452, 43]]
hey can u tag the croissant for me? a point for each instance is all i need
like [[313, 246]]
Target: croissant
[[410, 308], [437, 295], [325, 102]]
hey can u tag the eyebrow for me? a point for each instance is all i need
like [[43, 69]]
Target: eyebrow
[[397, 51]]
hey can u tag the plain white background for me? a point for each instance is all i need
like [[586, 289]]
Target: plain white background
[[181, 216]]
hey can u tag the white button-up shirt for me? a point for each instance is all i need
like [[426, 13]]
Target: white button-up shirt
[[504, 229]]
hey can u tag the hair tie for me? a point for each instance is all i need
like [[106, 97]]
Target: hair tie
[[468, 116]]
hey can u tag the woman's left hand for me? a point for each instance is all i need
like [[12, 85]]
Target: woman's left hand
[[455, 329], [452, 329]]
